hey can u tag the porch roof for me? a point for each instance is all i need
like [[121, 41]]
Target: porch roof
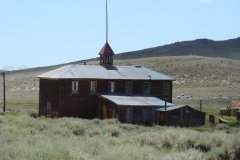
[[136, 101]]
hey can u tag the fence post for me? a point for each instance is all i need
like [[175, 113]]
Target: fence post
[[4, 93]]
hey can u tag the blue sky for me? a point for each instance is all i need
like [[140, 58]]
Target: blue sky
[[48, 32]]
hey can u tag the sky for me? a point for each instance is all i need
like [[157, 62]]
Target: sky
[[48, 32]]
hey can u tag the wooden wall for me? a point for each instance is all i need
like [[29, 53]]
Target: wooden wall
[[157, 90], [49, 91], [138, 115], [120, 88], [184, 117], [85, 104]]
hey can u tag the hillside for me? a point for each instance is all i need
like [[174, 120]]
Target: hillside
[[201, 47], [200, 77]]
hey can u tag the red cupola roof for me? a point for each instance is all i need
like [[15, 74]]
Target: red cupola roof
[[106, 50]]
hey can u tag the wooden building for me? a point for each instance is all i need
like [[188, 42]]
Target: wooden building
[[132, 94], [130, 109], [182, 115], [231, 109], [75, 90], [238, 115]]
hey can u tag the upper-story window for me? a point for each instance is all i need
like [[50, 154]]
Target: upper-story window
[[111, 87], [129, 88], [93, 86], [166, 88], [146, 88], [74, 87]]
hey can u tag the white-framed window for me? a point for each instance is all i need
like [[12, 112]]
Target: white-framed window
[[146, 88], [74, 87], [129, 88], [166, 88], [93, 86], [111, 87]]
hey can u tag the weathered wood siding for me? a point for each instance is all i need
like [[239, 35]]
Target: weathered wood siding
[[49, 91], [157, 90], [108, 110], [137, 88], [85, 104], [184, 117]]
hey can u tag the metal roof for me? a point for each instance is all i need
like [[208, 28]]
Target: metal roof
[[237, 107], [136, 101], [77, 71], [106, 50], [170, 108]]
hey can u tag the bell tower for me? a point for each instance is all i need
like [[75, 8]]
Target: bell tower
[[106, 53]]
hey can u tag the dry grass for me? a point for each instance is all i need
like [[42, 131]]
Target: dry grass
[[23, 137]]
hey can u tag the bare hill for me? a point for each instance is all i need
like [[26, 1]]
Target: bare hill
[[200, 77], [201, 47]]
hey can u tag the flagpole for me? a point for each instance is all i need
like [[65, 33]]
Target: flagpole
[[106, 21]]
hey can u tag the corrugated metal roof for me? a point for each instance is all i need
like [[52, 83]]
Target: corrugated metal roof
[[76, 71], [170, 108], [136, 100]]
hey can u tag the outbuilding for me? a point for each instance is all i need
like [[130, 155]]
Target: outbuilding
[[130, 109], [180, 115]]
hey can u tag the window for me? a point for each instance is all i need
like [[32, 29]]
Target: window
[[74, 87], [146, 88], [166, 88], [111, 87], [129, 88], [93, 87]]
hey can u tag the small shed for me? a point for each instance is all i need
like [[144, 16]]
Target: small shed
[[130, 109], [181, 115], [238, 115], [147, 111], [231, 109]]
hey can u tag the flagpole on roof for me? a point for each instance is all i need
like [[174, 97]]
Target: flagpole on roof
[[106, 21]]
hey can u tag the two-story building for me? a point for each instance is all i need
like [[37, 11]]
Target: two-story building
[[129, 93]]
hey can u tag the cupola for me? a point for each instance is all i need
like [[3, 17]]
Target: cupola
[[106, 55]]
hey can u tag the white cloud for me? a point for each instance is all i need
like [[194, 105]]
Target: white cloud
[[205, 1]]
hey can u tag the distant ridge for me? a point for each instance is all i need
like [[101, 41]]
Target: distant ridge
[[229, 49], [201, 47]]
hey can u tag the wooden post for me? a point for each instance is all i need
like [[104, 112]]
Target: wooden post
[[201, 105], [211, 119], [4, 94]]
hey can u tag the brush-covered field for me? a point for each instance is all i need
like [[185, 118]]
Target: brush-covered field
[[214, 80], [24, 137]]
